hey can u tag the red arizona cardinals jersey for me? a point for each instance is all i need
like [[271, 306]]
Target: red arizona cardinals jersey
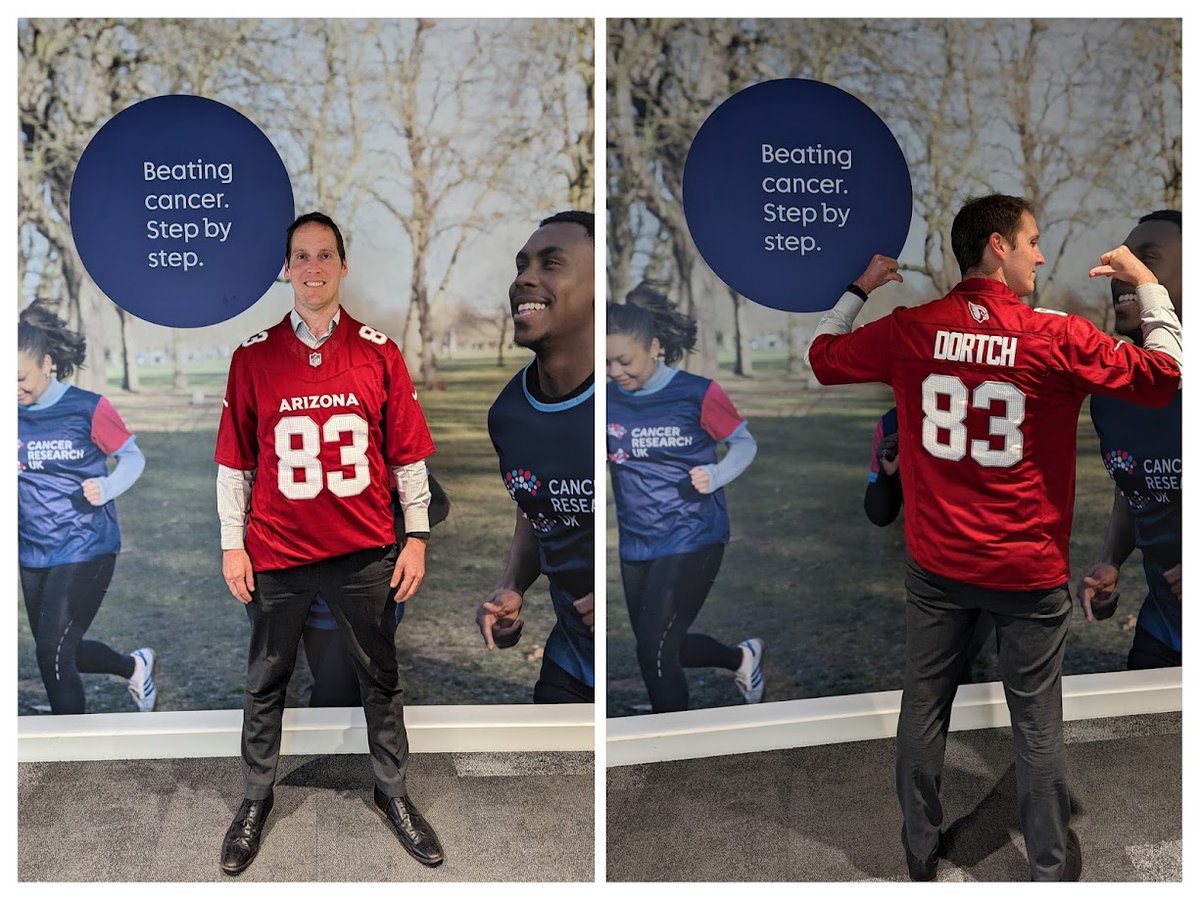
[[321, 428], [988, 393]]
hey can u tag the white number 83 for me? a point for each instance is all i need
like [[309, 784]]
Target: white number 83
[[305, 458], [952, 420]]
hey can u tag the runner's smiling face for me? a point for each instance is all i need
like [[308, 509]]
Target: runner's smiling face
[[552, 294], [629, 362], [1159, 244], [33, 377]]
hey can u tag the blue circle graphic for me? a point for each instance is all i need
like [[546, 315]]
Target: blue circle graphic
[[789, 188], [179, 208]]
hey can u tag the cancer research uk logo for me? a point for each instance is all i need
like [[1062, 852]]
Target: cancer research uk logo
[[617, 431], [1121, 465], [521, 480], [1119, 460]]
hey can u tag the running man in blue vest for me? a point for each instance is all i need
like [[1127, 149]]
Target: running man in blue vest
[[541, 426], [1142, 449]]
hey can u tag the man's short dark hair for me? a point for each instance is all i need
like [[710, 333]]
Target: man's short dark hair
[[978, 220], [321, 219], [1164, 215], [579, 217]]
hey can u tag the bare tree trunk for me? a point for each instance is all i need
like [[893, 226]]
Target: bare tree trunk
[[743, 364], [697, 300], [88, 303], [420, 299], [179, 377], [130, 380], [505, 318], [798, 336]]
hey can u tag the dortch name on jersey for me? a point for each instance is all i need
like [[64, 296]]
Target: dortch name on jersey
[[321, 440], [989, 349]]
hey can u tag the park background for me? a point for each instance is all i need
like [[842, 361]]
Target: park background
[[436, 145], [1058, 111]]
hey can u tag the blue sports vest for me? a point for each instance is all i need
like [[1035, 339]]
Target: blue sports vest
[[55, 455], [654, 440], [1142, 450], [545, 452]]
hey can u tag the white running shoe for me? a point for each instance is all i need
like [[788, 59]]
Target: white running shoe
[[141, 683], [749, 677]]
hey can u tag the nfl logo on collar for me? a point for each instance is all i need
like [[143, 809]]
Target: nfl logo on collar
[[314, 359]]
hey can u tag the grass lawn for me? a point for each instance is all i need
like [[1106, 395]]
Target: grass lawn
[[167, 591], [807, 571]]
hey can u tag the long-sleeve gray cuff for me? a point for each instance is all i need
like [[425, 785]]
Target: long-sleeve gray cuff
[[839, 319], [412, 488], [130, 465], [233, 504], [1161, 329], [741, 450]]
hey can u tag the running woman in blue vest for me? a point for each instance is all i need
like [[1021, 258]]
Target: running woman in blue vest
[[663, 428], [68, 537]]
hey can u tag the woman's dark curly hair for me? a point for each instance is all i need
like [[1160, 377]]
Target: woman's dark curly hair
[[41, 333], [647, 314]]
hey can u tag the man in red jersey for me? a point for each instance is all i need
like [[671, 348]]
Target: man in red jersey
[[318, 409], [988, 393]]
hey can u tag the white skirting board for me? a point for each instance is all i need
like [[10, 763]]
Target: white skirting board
[[431, 729], [858, 717]]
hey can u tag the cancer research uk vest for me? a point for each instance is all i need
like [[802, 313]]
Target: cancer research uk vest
[[654, 440], [545, 452], [58, 448], [1142, 449]]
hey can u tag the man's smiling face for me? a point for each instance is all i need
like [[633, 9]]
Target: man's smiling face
[[314, 267], [554, 288]]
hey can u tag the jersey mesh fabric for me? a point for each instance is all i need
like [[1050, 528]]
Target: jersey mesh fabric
[[321, 428], [988, 393]]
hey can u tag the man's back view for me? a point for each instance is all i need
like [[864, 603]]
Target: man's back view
[[988, 394]]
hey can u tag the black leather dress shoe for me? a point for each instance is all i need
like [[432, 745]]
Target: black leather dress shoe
[[241, 840], [415, 834], [1073, 867], [921, 869]]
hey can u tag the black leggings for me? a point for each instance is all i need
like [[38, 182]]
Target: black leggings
[[1148, 652], [664, 596], [556, 685], [61, 602]]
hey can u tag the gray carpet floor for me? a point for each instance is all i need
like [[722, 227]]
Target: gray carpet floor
[[829, 813], [500, 817]]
